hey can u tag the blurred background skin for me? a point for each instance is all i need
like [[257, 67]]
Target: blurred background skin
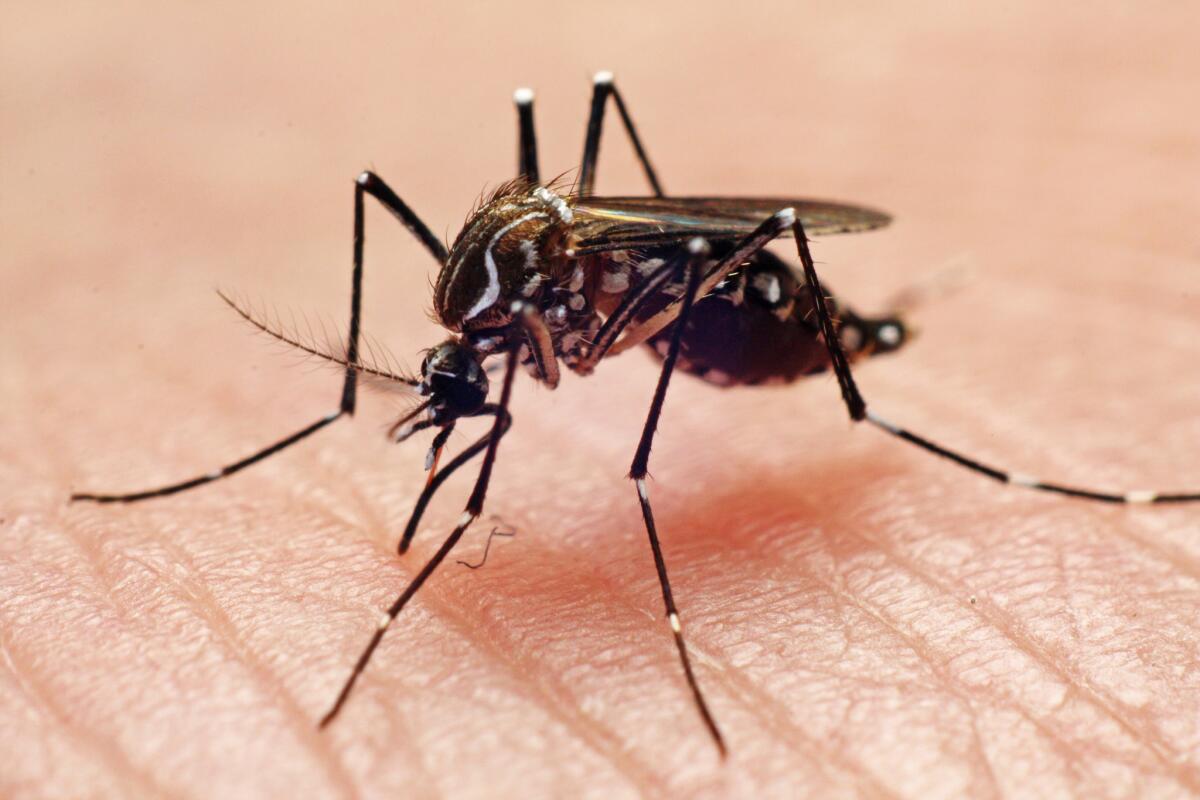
[[867, 621]]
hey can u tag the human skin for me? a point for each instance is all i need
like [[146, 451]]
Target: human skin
[[866, 620]]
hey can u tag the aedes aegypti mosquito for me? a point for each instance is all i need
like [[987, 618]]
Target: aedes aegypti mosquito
[[536, 278]]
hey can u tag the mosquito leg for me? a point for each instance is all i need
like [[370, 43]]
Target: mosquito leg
[[857, 407], [603, 88], [472, 511], [622, 319], [624, 314], [414, 519], [367, 183], [541, 346], [375, 186], [698, 248], [527, 156]]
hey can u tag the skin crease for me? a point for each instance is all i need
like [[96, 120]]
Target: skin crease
[[867, 620]]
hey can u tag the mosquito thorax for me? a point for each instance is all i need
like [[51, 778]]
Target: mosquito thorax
[[453, 378], [513, 242]]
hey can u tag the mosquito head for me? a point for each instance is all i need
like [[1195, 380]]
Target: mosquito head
[[454, 380]]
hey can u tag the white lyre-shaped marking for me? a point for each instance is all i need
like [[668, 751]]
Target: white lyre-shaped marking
[[491, 292]]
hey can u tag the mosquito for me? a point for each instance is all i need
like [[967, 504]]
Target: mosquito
[[542, 279]]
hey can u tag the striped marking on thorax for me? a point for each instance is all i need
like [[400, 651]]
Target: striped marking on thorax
[[491, 292]]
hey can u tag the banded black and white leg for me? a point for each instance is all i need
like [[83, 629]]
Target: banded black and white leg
[[527, 155], [698, 274], [603, 88], [471, 512], [697, 251], [859, 412], [367, 184], [622, 330]]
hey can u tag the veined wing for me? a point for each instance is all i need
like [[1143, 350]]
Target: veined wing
[[619, 223]]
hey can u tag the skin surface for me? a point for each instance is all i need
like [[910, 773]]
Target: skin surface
[[867, 620]]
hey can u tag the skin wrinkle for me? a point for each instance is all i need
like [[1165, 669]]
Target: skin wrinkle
[[962, 695], [797, 739], [1011, 630], [1075, 571], [1174, 557], [915, 645], [303, 717], [100, 746], [591, 733], [218, 622], [107, 750], [1101, 574], [1060, 742], [558, 707], [408, 745], [205, 607], [985, 761], [760, 701], [558, 703], [761, 705], [919, 651]]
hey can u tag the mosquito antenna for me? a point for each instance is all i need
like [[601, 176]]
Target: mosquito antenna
[[292, 338], [472, 510]]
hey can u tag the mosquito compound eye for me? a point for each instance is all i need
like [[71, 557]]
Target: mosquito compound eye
[[455, 379]]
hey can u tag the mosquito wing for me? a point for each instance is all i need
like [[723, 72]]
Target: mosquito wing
[[619, 223]]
